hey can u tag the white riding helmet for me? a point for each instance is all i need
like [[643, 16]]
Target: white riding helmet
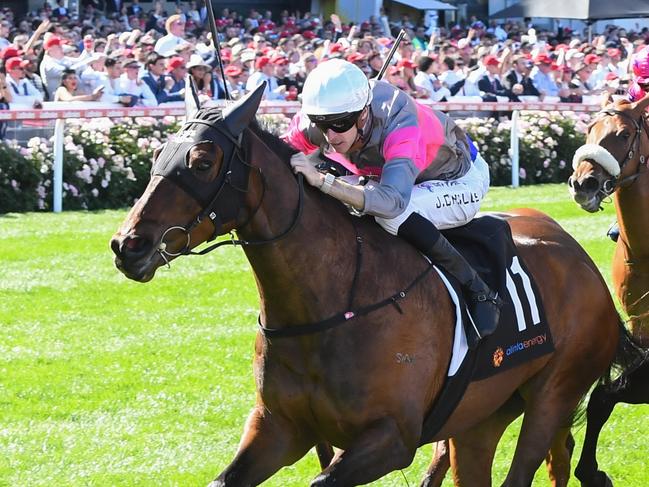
[[335, 87]]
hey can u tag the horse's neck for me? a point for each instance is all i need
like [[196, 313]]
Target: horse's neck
[[632, 207], [301, 276]]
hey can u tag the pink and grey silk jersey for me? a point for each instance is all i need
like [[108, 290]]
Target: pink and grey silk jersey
[[405, 143]]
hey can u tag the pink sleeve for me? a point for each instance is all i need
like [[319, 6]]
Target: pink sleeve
[[417, 139], [296, 136]]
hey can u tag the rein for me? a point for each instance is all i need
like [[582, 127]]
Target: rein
[[340, 318]]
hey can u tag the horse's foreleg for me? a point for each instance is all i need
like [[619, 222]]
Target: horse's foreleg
[[558, 458], [378, 450], [268, 444], [439, 465]]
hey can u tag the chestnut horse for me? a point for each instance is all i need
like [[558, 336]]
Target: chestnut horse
[[614, 161], [329, 357]]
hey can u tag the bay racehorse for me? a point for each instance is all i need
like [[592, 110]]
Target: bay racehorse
[[614, 162], [342, 303]]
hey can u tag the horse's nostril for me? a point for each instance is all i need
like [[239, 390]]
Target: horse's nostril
[[590, 184], [131, 246]]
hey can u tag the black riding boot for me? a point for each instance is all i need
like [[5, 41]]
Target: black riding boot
[[483, 303]]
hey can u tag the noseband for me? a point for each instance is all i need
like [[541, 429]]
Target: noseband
[[610, 185], [228, 194]]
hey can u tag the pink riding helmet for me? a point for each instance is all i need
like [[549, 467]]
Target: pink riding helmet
[[635, 92], [641, 66]]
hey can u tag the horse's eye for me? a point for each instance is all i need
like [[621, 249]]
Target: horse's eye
[[625, 135], [203, 165]]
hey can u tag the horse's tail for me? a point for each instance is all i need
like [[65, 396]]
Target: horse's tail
[[629, 356]]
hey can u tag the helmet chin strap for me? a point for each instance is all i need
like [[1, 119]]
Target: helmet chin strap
[[360, 132]]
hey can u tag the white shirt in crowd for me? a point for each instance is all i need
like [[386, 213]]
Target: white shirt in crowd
[[111, 89], [166, 46], [425, 81], [271, 92], [23, 92], [449, 78], [89, 79], [138, 89]]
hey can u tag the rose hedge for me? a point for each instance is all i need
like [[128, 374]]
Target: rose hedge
[[107, 163]]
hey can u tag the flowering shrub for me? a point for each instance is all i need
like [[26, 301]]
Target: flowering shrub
[[547, 142], [107, 163]]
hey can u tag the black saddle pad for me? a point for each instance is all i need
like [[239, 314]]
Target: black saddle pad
[[522, 334]]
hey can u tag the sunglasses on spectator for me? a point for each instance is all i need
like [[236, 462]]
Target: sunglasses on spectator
[[338, 125]]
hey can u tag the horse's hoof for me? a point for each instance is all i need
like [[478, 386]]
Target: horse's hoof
[[320, 481], [600, 479]]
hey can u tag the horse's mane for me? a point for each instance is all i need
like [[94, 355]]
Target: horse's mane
[[274, 143]]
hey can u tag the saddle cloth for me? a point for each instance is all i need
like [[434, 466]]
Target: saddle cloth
[[522, 334]]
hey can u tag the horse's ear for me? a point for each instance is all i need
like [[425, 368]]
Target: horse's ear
[[607, 100], [238, 116], [640, 106], [192, 103]]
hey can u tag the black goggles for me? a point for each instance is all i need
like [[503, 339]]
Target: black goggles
[[338, 125]]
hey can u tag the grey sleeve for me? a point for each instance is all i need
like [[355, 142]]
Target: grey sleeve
[[391, 197]]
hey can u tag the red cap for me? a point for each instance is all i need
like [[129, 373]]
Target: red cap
[[175, 62], [232, 71], [591, 59], [280, 61], [542, 59], [308, 34], [10, 51], [491, 60], [611, 76], [406, 63], [561, 47], [15, 62], [52, 41], [355, 56], [261, 62], [383, 41], [336, 48]]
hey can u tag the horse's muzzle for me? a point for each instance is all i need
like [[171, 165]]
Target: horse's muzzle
[[586, 192], [134, 256]]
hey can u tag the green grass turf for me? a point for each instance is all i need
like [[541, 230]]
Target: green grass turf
[[104, 381]]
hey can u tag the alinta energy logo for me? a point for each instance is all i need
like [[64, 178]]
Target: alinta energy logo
[[525, 344], [500, 354]]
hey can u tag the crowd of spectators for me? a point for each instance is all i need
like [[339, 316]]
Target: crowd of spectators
[[139, 57]]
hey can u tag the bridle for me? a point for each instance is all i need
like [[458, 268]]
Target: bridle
[[228, 194], [613, 183]]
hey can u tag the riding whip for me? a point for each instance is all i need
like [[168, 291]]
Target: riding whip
[[217, 45], [386, 63]]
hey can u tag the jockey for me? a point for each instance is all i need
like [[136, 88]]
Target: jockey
[[431, 176], [640, 84]]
